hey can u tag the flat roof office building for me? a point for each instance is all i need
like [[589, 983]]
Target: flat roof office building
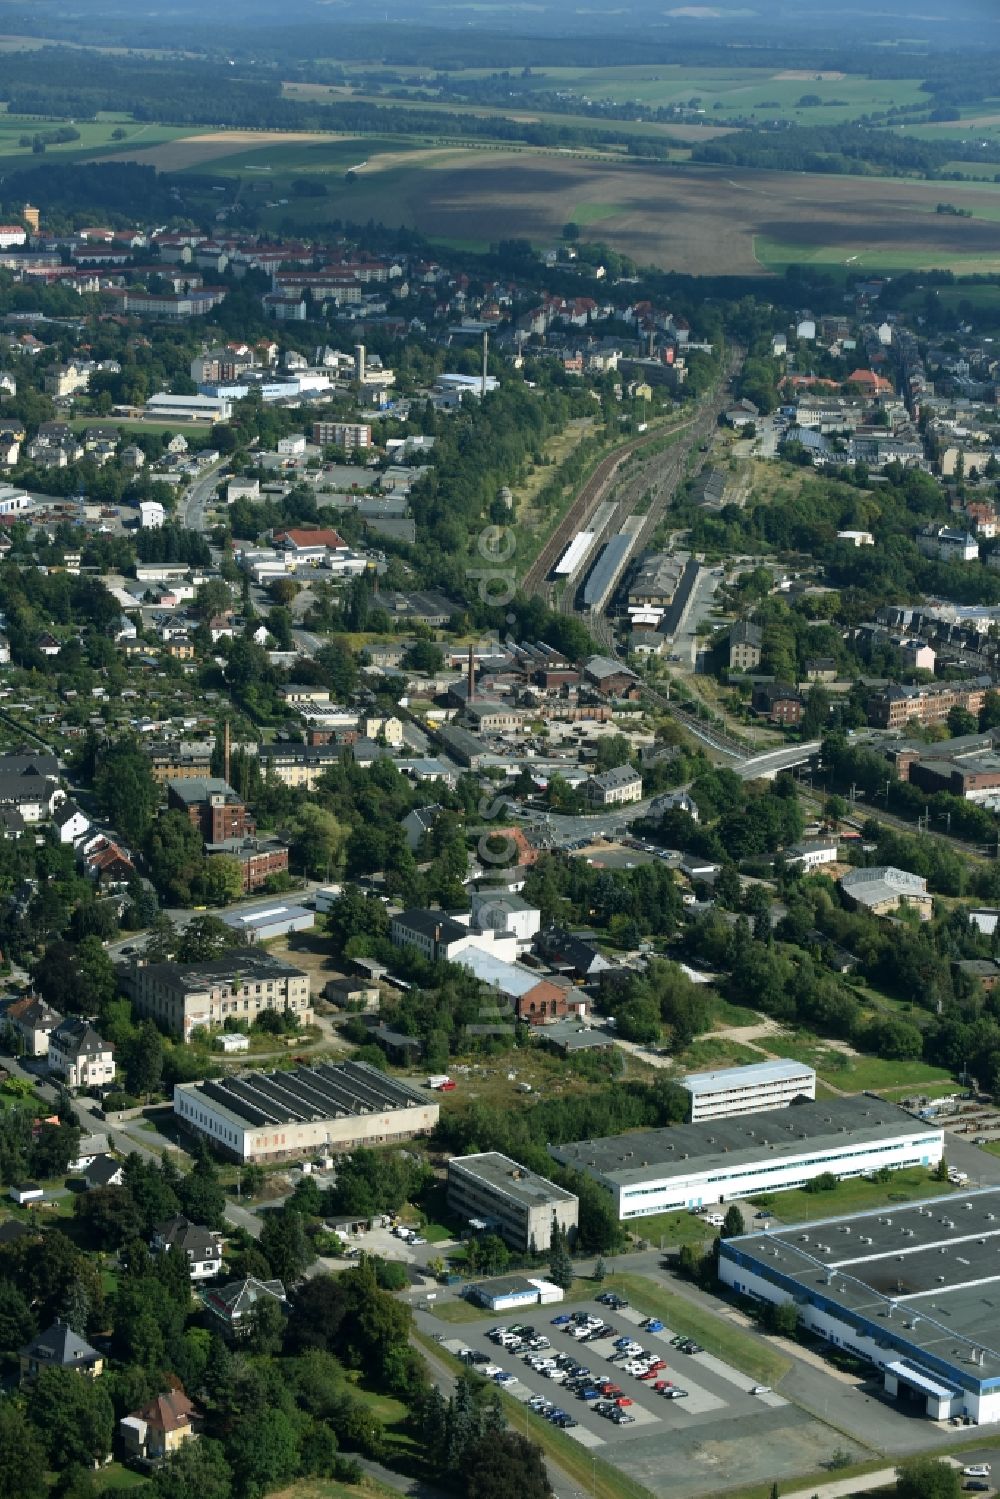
[[914, 1289], [273, 1116], [748, 1090], [520, 1204], [699, 1165]]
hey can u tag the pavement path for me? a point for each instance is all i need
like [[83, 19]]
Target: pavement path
[[846, 1488]]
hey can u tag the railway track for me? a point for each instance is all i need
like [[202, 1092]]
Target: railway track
[[593, 492], [658, 478]]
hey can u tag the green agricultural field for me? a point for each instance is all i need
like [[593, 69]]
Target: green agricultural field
[[95, 140], [754, 92], [777, 256], [592, 213], [315, 155]]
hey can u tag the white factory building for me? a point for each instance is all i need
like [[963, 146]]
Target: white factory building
[[700, 1165], [911, 1288], [748, 1090]]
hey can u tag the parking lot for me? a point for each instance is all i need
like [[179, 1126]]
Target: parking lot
[[719, 1433]]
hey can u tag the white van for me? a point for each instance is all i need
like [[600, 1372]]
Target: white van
[[715, 1219]]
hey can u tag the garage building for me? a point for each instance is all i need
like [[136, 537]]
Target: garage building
[[273, 1116], [913, 1289], [698, 1165], [512, 1292]]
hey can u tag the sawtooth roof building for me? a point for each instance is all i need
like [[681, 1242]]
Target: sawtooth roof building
[[698, 1165], [913, 1289], [273, 1116]]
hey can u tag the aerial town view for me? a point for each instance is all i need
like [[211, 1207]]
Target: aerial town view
[[499, 751]]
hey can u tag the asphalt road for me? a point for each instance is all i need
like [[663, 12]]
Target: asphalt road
[[194, 502]]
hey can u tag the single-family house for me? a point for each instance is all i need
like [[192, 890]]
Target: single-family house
[[234, 1304], [159, 1429], [80, 1056], [33, 1021], [59, 1347], [201, 1247]]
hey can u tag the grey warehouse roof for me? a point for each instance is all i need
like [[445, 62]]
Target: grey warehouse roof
[[870, 887], [686, 1149], [303, 1094], [926, 1274], [502, 1174]]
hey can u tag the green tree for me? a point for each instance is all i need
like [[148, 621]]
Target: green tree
[[208, 937], [142, 1058], [108, 1217], [505, 1465], [356, 917], [263, 1452], [560, 1264], [125, 789], [174, 851], [211, 599], [927, 1478], [22, 1455], [200, 1194], [733, 1224], [782, 1318], [960, 721], [74, 1417], [284, 1243], [222, 880], [198, 1470], [318, 841], [17, 1325]]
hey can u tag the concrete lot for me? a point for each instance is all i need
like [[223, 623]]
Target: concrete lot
[[718, 1436]]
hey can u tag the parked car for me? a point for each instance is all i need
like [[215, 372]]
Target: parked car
[[760, 1389], [976, 1470], [675, 1394]]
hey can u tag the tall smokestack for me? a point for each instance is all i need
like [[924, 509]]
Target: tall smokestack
[[227, 747], [486, 354], [472, 674], [359, 363]]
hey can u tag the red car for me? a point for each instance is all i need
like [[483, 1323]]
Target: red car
[[649, 1374], [662, 1384], [622, 1401], [610, 1390]]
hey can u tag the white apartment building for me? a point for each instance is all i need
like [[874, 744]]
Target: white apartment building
[[748, 1090]]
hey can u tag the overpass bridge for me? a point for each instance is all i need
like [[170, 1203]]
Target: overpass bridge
[[766, 766]]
